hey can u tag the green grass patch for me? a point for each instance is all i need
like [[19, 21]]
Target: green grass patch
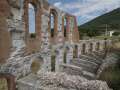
[[112, 76]]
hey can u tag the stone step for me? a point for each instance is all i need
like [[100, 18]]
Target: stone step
[[71, 69], [85, 66], [89, 75], [91, 59], [99, 54], [85, 61]]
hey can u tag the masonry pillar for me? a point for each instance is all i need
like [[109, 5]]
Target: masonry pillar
[[87, 47], [79, 50], [26, 18], [60, 36], [59, 59], [38, 23], [67, 28], [63, 28], [101, 45], [94, 46], [45, 40], [75, 31], [69, 54], [55, 15]]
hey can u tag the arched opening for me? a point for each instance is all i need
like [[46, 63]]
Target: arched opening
[[105, 45], [53, 57], [65, 24], [31, 20], [91, 47], [97, 46], [75, 52], [83, 48], [65, 55], [53, 22]]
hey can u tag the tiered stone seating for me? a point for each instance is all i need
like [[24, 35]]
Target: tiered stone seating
[[89, 64]]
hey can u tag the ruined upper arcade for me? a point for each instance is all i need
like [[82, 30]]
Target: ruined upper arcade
[[17, 25]]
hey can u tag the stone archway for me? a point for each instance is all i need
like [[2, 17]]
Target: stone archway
[[53, 61], [65, 55], [105, 45], [53, 24], [83, 48], [64, 26], [31, 20]]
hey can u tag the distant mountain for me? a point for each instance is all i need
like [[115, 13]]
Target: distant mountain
[[110, 20]]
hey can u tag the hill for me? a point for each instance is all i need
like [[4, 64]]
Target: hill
[[112, 19]]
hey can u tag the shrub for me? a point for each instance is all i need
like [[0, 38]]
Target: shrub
[[116, 33], [112, 75]]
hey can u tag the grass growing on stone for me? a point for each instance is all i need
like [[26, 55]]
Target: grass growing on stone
[[112, 76]]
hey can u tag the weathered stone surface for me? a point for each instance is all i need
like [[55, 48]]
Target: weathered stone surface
[[60, 81]]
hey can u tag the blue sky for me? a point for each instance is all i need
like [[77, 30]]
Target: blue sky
[[86, 10], [31, 19]]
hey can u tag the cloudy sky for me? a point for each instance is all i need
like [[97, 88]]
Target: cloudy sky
[[86, 10]]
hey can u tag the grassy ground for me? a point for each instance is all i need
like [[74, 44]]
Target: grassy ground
[[108, 37], [112, 74]]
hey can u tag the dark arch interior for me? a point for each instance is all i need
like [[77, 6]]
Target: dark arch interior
[[65, 25], [53, 15], [83, 48]]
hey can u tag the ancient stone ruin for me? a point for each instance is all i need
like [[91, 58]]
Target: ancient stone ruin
[[51, 58]]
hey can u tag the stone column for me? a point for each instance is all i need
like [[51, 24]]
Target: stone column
[[69, 54], [47, 62], [79, 50], [45, 41], [59, 37], [55, 27], [101, 45], [38, 23], [94, 46], [59, 59], [87, 47], [26, 18], [75, 32], [67, 28], [63, 27]]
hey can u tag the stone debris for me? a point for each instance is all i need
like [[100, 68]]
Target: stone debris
[[61, 81]]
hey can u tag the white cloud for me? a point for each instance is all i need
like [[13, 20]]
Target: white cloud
[[30, 6], [93, 6], [57, 4], [85, 7]]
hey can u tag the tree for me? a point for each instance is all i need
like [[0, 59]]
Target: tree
[[116, 33]]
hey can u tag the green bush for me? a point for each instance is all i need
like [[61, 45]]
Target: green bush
[[116, 33], [112, 76]]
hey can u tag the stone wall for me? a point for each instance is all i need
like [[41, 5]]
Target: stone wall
[[5, 41]]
